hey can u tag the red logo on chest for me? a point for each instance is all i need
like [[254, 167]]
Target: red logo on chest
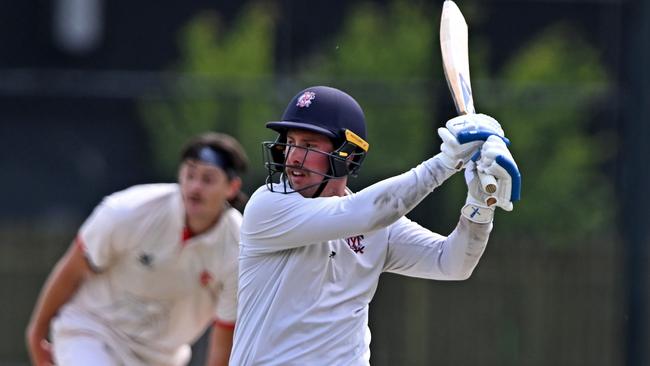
[[354, 242], [205, 278]]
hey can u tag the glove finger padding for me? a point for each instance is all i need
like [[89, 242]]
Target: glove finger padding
[[463, 136], [496, 160], [474, 127], [455, 153]]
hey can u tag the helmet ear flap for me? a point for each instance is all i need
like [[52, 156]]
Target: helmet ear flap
[[340, 159], [347, 159], [277, 153]]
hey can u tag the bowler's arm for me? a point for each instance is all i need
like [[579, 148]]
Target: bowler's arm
[[220, 345], [60, 286]]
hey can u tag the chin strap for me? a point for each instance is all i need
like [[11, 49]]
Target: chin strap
[[323, 183], [321, 188]]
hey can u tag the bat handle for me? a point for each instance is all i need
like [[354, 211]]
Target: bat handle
[[488, 182], [489, 185]]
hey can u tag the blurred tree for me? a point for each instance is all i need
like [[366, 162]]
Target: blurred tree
[[382, 56], [218, 88], [544, 100]]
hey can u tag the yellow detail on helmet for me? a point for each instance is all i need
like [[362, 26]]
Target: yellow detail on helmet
[[355, 139]]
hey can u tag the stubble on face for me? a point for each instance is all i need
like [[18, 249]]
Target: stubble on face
[[307, 160]]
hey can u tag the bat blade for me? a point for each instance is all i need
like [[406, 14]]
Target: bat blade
[[455, 62], [455, 57]]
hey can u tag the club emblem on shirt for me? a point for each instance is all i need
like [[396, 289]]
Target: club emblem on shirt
[[205, 278], [354, 242], [145, 259]]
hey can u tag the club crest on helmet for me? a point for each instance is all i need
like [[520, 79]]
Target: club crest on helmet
[[305, 99]]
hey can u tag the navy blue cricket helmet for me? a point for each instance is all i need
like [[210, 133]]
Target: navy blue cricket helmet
[[327, 111], [324, 110]]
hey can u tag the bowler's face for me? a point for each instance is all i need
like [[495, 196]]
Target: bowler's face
[[205, 189], [306, 161]]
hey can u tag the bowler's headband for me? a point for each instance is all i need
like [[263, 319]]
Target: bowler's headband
[[209, 155]]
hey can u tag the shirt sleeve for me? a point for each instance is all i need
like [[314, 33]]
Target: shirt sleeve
[[417, 252], [227, 303], [274, 221], [97, 235], [226, 309]]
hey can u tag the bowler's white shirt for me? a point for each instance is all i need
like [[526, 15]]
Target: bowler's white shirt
[[310, 266], [154, 292]]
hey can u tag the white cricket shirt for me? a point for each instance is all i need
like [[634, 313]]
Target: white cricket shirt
[[155, 292], [310, 266]]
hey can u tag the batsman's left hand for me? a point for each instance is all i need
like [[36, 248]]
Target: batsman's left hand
[[463, 136]]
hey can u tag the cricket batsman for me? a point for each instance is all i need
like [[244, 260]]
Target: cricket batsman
[[312, 250]]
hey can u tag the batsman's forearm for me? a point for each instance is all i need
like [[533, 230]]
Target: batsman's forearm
[[277, 219], [395, 197], [464, 247]]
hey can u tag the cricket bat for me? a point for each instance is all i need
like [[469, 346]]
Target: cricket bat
[[455, 62]]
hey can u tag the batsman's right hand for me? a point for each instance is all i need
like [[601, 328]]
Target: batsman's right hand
[[496, 160], [463, 136]]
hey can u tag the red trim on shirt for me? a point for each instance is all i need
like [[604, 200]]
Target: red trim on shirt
[[223, 324], [80, 243], [186, 235]]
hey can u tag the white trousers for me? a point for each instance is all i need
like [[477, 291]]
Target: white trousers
[[82, 349]]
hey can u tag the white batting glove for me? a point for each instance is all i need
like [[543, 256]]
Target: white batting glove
[[495, 160], [476, 208], [463, 136]]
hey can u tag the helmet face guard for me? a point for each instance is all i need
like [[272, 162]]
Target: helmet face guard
[[326, 111], [346, 160]]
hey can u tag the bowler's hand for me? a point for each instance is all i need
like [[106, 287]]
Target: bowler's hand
[[40, 350]]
